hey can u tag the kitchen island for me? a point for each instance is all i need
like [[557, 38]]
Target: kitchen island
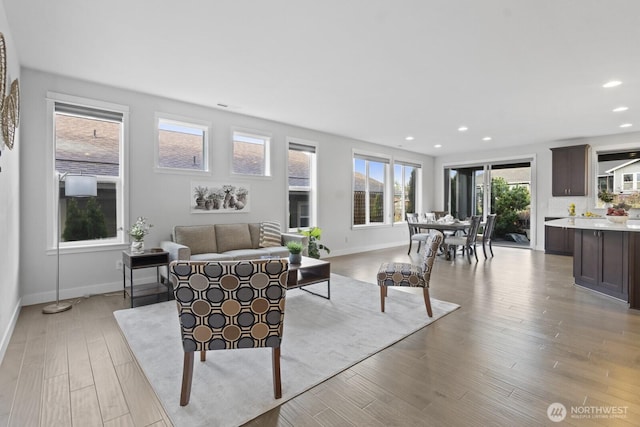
[[606, 256]]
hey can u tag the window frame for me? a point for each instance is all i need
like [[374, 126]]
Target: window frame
[[186, 122], [417, 189], [256, 134], [387, 186], [52, 177], [615, 150], [313, 183]]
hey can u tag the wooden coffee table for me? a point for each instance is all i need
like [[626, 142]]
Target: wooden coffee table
[[308, 272]]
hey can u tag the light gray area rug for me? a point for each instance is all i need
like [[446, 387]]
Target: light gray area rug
[[321, 339]]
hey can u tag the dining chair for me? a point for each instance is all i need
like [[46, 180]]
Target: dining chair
[[467, 242], [405, 274], [485, 236], [414, 232], [440, 214], [229, 305], [429, 216]]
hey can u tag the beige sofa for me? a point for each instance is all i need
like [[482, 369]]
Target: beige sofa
[[227, 242]]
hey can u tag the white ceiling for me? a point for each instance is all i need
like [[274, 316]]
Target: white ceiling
[[519, 71]]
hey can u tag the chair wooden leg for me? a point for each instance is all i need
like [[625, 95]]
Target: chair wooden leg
[[427, 301], [277, 384], [187, 376], [475, 252], [484, 250], [410, 243], [419, 245], [469, 254], [383, 294], [491, 249], [203, 355]]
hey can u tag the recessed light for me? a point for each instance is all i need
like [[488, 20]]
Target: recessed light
[[437, 146], [612, 83], [409, 138], [463, 128], [486, 138], [619, 109], [626, 125]]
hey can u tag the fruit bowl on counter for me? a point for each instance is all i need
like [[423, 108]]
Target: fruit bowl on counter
[[617, 216], [617, 219]]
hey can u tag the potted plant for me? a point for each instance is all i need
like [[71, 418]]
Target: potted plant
[[606, 197], [314, 247], [137, 233], [295, 251], [200, 193]]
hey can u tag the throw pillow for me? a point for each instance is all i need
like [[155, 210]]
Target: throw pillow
[[270, 234]]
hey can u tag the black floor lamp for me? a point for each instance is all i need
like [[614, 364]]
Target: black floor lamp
[[74, 186]]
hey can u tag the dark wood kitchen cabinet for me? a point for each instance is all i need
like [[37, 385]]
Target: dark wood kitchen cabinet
[[558, 240], [601, 261], [569, 170]]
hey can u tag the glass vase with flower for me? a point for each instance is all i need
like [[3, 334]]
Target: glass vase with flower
[[137, 232]]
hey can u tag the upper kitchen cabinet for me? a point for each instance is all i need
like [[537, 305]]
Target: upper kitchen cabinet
[[569, 171]]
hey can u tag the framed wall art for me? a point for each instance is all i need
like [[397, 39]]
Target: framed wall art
[[220, 197]]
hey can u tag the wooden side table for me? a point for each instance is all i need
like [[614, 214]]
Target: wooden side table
[[147, 259]]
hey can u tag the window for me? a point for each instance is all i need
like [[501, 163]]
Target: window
[[369, 178], [88, 140], [618, 178], [182, 145], [251, 154], [627, 181], [302, 185], [405, 192]]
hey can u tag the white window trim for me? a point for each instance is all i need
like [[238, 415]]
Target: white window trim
[[388, 189], [188, 122], [313, 193], [52, 179], [633, 181], [418, 189], [253, 133]]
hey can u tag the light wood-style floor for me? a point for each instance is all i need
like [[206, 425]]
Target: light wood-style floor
[[524, 337]]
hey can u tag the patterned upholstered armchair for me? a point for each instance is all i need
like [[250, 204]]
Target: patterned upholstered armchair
[[404, 274], [224, 305]]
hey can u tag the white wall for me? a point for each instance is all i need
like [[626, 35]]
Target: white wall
[[165, 198], [542, 204], [9, 208]]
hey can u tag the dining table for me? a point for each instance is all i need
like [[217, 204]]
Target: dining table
[[455, 225]]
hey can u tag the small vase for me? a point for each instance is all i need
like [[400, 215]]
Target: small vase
[[137, 247], [295, 258]]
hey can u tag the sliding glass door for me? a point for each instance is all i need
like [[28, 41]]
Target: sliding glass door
[[465, 191], [500, 188]]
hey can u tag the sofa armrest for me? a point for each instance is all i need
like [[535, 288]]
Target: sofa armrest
[[288, 237], [177, 252]]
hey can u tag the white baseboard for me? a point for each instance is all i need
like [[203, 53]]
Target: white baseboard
[[6, 336], [82, 291], [367, 248]]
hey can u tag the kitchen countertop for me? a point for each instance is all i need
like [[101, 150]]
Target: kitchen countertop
[[595, 224]]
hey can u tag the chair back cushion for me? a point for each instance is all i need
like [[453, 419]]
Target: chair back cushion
[[431, 250], [230, 304]]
